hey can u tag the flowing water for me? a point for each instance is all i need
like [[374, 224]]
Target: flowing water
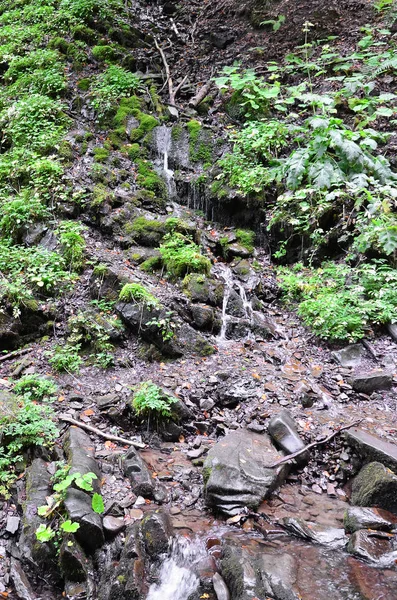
[[232, 283], [163, 145], [178, 579]]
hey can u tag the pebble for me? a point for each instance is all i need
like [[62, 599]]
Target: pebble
[[140, 501], [135, 513], [113, 525], [12, 524]]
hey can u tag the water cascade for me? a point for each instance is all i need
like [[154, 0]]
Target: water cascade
[[177, 578], [163, 145], [231, 282]]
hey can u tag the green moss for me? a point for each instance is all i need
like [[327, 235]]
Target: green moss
[[135, 292], [59, 43], [84, 34], [207, 470], [65, 150], [126, 109], [84, 84], [100, 195], [177, 132], [144, 231], [148, 179], [105, 53], [101, 154], [199, 147], [146, 124], [134, 151], [116, 142], [246, 238], [154, 263]]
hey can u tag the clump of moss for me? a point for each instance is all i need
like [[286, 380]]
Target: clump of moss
[[182, 256], [126, 109], [154, 263], [84, 34], [101, 154], [199, 148], [134, 151], [59, 43], [105, 53], [135, 292], [177, 132], [147, 232], [65, 151], [84, 84], [246, 238], [148, 179], [100, 195], [146, 124]]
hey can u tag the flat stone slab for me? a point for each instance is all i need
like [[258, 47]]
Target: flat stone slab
[[372, 448], [371, 382], [350, 356], [359, 517], [236, 472]]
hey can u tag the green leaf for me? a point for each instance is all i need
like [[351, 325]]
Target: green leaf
[[84, 481], [97, 504], [70, 526], [67, 482], [44, 533], [383, 111]]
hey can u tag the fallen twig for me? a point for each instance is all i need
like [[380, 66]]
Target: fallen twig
[[107, 436], [202, 92], [14, 354], [167, 72], [312, 445]]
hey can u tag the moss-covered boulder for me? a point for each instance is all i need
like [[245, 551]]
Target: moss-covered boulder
[[375, 485], [146, 232], [201, 288]]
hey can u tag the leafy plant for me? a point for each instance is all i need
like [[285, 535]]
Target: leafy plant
[[165, 325], [150, 400], [66, 358], [275, 23], [112, 84], [72, 243], [35, 387]]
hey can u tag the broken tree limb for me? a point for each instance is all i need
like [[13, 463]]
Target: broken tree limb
[[107, 436], [167, 72], [201, 93], [312, 445], [15, 354]]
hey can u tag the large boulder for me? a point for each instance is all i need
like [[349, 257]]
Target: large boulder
[[358, 517], [203, 289], [237, 471], [371, 382], [372, 448], [80, 452], [375, 485], [90, 533], [142, 482]]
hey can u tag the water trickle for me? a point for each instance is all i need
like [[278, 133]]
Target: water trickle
[[163, 144], [231, 282], [178, 579]]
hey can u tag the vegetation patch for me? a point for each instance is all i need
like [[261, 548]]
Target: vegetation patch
[[137, 293], [151, 401], [182, 256]]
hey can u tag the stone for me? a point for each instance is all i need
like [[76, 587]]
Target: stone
[[10, 328], [136, 470], [220, 587], [372, 448], [371, 382], [38, 488], [283, 431], [207, 404], [221, 40], [80, 452], [350, 356], [203, 317], [236, 392], [78, 506], [372, 546], [392, 329], [278, 575], [205, 290], [20, 582], [73, 562], [112, 526], [156, 532], [12, 524], [235, 472], [107, 401], [357, 517], [170, 431], [375, 485]]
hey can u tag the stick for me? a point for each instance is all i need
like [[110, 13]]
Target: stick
[[107, 436], [299, 452], [167, 72], [14, 354], [202, 93]]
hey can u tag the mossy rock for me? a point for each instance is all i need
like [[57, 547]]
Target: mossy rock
[[375, 485], [146, 232], [203, 289], [200, 145], [65, 151], [84, 34], [59, 43], [149, 180], [84, 84], [101, 154], [105, 54]]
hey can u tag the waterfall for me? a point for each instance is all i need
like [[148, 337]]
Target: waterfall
[[163, 144], [178, 580], [231, 283]]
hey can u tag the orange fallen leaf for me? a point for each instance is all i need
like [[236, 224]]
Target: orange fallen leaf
[[88, 412]]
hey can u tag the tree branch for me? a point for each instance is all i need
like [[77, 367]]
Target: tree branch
[[107, 436], [312, 445]]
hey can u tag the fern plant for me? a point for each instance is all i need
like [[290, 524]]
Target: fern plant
[[150, 400]]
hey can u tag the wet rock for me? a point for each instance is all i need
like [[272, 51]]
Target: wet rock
[[375, 485], [205, 290], [283, 431], [278, 574], [156, 532], [142, 483], [170, 431], [238, 570], [38, 487], [10, 328], [235, 471], [371, 382], [372, 448], [329, 536], [220, 587], [350, 356], [203, 317], [80, 452], [20, 582], [357, 518], [12, 524], [233, 393], [112, 526], [237, 249], [78, 506], [392, 329], [73, 562], [372, 546]]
